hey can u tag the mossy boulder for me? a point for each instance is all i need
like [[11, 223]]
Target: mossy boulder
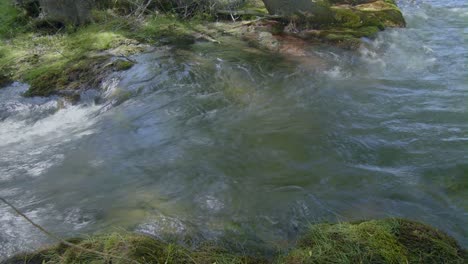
[[339, 22], [81, 74], [376, 241], [348, 23], [74, 75], [122, 64], [379, 14]]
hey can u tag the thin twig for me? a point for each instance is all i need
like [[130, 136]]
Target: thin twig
[[49, 234], [144, 8]]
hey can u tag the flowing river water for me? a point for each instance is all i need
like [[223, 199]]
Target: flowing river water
[[210, 141]]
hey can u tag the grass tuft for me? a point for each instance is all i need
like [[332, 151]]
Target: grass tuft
[[121, 248], [12, 20], [376, 241]]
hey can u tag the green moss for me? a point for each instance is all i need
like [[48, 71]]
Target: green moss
[[349, 32], [77, 57], [347, 17], [50, 63], [44, 80], [69, 60], [387, 17], [349, 23], [380, 14], [65, 74], [344, 22], [122, 65], [347, 38], [376, 241]]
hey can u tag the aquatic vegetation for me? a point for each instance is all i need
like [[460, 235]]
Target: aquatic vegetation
[[375, 241]]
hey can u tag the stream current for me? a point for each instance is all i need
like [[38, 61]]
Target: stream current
[[210, 140]]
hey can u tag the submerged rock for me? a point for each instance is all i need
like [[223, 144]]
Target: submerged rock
[[375, 241]]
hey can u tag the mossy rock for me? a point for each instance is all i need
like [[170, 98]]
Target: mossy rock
[[347, 23], [122, 65], [343, 15], [80, 74], [73, 75], [376, 241], [379, 14]]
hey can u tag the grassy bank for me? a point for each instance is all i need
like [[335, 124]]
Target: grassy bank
[[54, 60], [376, 241], [64, 59]]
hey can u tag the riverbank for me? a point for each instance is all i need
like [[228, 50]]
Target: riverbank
[[375, 241], [65, 60], [385, 139]]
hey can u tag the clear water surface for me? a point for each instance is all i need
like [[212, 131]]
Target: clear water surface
[[223, 139]]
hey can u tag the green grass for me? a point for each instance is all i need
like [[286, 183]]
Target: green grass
[[73, 58], [46, 61], [12, 20], [165, 29], [120, 248], [375, 241], [52, 59]]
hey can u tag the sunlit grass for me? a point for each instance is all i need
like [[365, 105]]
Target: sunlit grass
[[44, 59]]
